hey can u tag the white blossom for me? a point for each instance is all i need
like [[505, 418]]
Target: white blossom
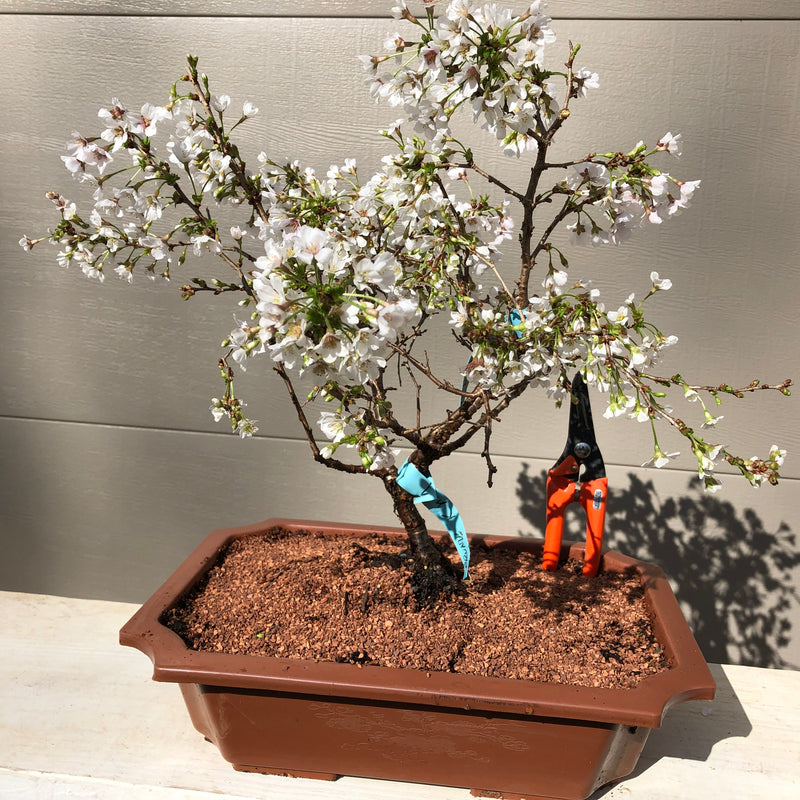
[[246, 428], [660, 284], [332, 425], [670, 143], [310, 244], [660, 459], [384, 458], [382, 271], [220, 103], [393, 317], [586, 79], [146, 122]]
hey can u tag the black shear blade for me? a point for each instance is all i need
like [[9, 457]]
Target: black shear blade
[[581, 441]]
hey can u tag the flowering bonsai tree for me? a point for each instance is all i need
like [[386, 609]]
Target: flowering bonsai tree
[[338, 277]]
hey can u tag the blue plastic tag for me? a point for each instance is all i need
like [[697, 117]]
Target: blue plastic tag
[[423, 490]]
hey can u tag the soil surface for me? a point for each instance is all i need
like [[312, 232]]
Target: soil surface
[[334, 598]]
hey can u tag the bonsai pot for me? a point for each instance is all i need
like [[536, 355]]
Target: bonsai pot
[[499, 737]]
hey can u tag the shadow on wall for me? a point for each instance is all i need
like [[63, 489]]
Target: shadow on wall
[[733, 577]]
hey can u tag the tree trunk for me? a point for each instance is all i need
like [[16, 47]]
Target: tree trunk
[[434, 576]]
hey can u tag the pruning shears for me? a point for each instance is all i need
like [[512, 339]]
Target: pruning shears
[[579, 476]]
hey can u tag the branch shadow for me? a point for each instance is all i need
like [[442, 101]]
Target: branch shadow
[[733, 578]]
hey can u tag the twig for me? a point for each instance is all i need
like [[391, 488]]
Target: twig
[[502, 404], [253, 198], [496, 181], [417, 390], [485, 454], [334, 463], [387, 420], [563, 115], [427, 372], [753, 386], [489, 263], [590, 159], [565, 211], [723, 388], [526, 232]]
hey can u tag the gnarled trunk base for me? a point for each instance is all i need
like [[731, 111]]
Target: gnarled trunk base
[[434, 576]]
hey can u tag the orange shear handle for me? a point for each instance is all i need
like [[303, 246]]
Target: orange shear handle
[[592, 497]]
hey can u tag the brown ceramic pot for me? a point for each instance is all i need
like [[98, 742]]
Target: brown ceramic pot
[[507, 738]]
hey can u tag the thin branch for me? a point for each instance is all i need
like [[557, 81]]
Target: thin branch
[[722, 388], [590, 159], [428, 373], [496, 181], [417, 390], [253, 198], [753, 386], [509, 395], [174, 245], [421, 428], [388, 420], [489, 263], [487, 428], [333, 463], [565, 211], [526, 232], [563, 115]]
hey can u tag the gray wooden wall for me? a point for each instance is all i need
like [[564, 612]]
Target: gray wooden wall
[[111, 468]]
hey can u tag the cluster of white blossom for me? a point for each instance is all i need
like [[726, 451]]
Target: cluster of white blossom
[[334, 297], [564, 330], [119, 232], [614, 197], [477, 54], [349, 429], [337, 276]]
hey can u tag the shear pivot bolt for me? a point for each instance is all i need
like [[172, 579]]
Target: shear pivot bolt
[[582, 449]]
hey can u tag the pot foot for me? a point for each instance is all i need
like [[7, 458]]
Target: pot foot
[[289, 773], [494, 795]]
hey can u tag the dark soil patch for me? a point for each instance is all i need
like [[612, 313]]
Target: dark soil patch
[[333, 598]]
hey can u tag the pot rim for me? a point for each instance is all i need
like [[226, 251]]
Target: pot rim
[[687, 678]]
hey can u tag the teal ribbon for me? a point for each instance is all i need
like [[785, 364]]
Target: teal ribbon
[[423, 490]]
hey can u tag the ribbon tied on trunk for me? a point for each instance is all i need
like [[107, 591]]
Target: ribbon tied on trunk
[[423, 490]]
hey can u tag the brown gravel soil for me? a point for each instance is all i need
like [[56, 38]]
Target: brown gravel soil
[[334, 598]]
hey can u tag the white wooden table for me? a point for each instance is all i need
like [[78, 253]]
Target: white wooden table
[[80, 718]]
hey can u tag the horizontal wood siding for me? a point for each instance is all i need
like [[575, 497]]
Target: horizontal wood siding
[[563, 9]]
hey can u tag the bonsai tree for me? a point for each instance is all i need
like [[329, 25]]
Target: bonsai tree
[[339, 278]]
